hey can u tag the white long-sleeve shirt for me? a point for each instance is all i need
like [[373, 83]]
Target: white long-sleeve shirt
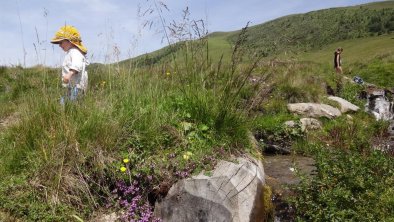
[[75, 60]]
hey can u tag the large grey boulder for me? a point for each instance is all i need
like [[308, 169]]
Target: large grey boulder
[[234, 192], [345, 105], [314, 110]]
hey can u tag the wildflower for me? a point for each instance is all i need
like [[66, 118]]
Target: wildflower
[[168, 73], [187, 155], [123, 169], [126, 160]]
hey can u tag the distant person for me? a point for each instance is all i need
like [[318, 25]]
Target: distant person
[[74, 75], [337, 60]]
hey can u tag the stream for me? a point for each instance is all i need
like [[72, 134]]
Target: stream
[[281, 173]]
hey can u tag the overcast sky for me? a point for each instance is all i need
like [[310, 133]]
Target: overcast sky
[[114, 29]]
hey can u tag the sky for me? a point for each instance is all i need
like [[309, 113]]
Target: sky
[[114, 30]]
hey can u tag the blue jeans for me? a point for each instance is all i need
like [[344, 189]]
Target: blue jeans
[[71, 94]]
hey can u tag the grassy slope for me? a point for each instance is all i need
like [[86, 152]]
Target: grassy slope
[[303, 32], [371, 58], [355, 50]]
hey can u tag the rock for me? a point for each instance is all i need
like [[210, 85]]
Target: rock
[[106, 218], [233, 193], [284, 168], [290, 124], [310, 124], [379, 105], [305, 123], [275, 149], [390, 129], [345, 105], [314, 110], [254, 143]]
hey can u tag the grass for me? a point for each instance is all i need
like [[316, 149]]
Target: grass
[[141, 128], [355, 51], [67, 160]]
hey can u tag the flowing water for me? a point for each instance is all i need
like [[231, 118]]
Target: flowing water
[[282, 171], [379, 104]]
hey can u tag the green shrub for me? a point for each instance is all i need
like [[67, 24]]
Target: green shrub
[[349, 186], [351, 134]]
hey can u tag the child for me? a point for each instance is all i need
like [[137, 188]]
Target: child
[[74, 74]]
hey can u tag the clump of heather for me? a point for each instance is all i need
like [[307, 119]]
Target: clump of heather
[[131, 198]]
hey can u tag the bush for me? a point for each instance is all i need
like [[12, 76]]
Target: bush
[[348, 186]]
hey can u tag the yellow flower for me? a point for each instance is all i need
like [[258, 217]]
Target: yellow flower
[[168, 73], [123, 169], [126, 160], [187, 155]]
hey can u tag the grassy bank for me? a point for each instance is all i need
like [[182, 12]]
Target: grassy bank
[[142, 127]]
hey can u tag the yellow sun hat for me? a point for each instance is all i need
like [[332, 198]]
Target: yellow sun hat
[[71, 34]]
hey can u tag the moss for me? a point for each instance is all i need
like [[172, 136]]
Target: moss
[[266, 198]]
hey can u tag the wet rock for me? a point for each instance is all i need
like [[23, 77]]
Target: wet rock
[[379, 105], [314, 110], [284, 168], [272, 149]]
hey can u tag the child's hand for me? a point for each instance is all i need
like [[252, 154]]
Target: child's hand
[[67, 77]]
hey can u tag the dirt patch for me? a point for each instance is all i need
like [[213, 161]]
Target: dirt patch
[[6, 217], [9, 121]]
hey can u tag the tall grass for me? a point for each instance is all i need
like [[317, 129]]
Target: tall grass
[[68, 157]]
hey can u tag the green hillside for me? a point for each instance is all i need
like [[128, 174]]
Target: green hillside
[[355, 50], [304, 32], [298, 33]]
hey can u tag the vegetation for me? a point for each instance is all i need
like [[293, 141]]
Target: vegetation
[[291, 36], [141, 128], [304, 32]]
